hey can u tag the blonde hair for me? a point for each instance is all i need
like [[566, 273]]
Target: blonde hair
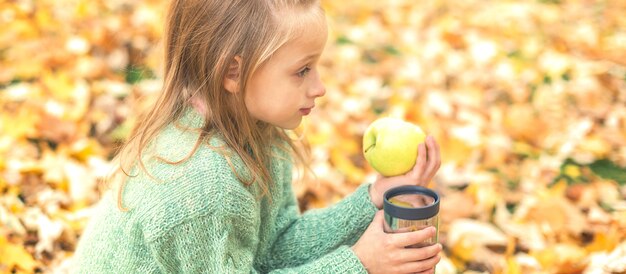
[[201, 40]]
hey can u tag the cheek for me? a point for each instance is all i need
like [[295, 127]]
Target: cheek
[[271, 98], [252, 103], [259, 104]]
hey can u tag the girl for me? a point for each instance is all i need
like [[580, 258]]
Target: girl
[[204, 182]]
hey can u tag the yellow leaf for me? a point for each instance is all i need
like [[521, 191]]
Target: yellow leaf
[[524, 149], [596, 145], [44, 18], [468, 237], [15, 255], [52, 163], [604, 241], [85, 148], [339, 157], [546, 257], [72, 218], [83, 8], [463, 250], [484, 194], [59, 84], [445, 266], [456, 263], [562, 258], [79, 204], [512, 267], [573, 171], [530, 129], [24, 29], [321, 135], [27, 69], [557, 190], [551, 210], [454, 150], [13, 190], [21, 124]]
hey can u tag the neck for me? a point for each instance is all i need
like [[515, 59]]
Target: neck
[[198, 105]]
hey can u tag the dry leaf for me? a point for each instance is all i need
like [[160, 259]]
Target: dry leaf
[[515, 93], [14, 255], [467, 236], [562, 258]]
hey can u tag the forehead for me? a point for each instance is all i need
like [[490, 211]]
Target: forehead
[[306, 32], [302, 23]]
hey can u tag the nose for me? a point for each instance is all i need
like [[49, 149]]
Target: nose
[[317, 89]]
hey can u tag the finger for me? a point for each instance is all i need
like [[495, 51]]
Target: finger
[[404, 229], [420, 266], [434, 159], [420, 163], [414, 237], [420, 254], [438, 149], [429, 271], [390, 182], [378, 221]]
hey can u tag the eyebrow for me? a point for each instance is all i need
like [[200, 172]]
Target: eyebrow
[[307, 58]]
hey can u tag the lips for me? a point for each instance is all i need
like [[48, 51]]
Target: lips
[[305, 111]]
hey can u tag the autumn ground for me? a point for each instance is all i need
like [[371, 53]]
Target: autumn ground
[[526, 98]]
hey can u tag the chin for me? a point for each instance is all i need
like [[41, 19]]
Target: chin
[[291, 125]]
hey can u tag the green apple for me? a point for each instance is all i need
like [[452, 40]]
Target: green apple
[[390, 145]]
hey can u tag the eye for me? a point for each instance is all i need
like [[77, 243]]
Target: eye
[[304, 71]]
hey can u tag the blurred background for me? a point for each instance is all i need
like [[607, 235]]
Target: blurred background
[[526, 98]]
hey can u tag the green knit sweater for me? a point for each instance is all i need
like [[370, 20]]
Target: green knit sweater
[[198, 218]]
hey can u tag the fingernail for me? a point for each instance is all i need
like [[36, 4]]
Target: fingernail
[[432, 230]]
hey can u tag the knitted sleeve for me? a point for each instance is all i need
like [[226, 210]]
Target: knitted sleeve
[[219, 243], [317, 232]]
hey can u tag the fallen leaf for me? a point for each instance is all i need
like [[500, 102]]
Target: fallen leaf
[[14, 255]]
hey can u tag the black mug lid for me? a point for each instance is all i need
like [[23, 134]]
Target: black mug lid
[[408, 213]]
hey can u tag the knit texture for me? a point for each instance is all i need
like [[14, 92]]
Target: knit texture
[[198, 218]]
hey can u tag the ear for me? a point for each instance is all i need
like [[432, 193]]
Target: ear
[[233, 75]]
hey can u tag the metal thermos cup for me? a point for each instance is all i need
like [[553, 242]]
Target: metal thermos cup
[[411, 208]]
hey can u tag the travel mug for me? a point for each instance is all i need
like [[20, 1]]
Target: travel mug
[[411, 208]]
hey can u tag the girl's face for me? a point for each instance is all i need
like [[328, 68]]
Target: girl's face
[[285, 87]]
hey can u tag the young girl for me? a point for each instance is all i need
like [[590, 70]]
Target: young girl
[[204, 182]]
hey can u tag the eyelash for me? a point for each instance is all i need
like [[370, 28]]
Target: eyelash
[[304, 71]]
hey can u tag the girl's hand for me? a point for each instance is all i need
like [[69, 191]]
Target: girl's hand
[[380, 252], [425, 168]]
